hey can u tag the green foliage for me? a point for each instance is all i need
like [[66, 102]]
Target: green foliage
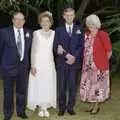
[[111, 21], [115, 60], [33, 6], [107, 10]]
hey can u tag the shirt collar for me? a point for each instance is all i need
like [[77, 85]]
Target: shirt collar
[[67, 25], [16, 29]]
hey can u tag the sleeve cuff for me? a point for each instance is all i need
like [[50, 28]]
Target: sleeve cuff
[[64, 54]]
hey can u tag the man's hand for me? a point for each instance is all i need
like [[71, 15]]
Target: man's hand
[[70, 59], [60, 50], [33, 71]]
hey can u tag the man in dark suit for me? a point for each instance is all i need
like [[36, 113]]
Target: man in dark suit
[[68, 45], [15, 44]]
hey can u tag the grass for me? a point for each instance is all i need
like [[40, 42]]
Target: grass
[[110, 110]]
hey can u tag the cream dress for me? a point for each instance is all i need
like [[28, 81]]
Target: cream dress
[[42, 87]]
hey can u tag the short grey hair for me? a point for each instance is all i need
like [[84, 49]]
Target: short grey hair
[[93, 20], [68, 9]]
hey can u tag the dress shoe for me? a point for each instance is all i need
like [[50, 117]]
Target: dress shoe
[[89, 110], [41, 113], [71, 112], [61, 113], [23, 116], [6, 118], [94, 112], [46, 113]]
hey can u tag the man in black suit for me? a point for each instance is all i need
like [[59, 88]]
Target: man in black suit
[[15, 44], [68, 45]]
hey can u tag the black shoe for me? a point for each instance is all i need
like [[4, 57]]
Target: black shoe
[[61, 113], [23, 116], [71, 112], [8, 118]]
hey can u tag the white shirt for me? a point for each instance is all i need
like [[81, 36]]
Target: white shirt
[[67, 27], [22, 40]]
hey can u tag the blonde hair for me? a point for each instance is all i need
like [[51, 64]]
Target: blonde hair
[[93, 20], [45, 14]]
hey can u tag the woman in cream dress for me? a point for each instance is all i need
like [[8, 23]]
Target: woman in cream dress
[[42, 79]]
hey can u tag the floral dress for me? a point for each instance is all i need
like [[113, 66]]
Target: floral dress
[[94, 86]]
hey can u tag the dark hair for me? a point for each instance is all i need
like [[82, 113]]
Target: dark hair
[[15, 13]]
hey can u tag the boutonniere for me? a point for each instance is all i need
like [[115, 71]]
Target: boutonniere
[[78, 32], [27, 35]]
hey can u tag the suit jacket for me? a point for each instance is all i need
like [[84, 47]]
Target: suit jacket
[[72, 44], [9, 56], [102, 45]]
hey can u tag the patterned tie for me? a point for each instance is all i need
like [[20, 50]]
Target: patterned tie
[[70, 31], [19, 43]]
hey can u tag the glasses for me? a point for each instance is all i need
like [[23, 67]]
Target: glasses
[[20, 19]]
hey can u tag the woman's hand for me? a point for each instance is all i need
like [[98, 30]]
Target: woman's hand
[[60, 50], [109, 55], [33, 71]]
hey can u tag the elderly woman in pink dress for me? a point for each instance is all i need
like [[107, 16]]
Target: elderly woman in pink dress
[[94, 86]]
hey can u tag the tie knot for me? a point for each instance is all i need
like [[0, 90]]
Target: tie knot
[[18, 30]]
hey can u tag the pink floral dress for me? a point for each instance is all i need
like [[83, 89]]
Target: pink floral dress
[[94, 86]]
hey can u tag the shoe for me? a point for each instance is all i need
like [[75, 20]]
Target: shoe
[[94, 112], [6, 118], [61, 113], [41, 113], [46, 113], [71, 112], [89, 110], [23, 116]]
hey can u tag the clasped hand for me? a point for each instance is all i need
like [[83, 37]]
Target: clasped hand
[[70, 58]]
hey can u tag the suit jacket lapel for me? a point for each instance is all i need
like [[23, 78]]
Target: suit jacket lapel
[[25, 41], [74, 28], [66, 34], [12, 39]]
